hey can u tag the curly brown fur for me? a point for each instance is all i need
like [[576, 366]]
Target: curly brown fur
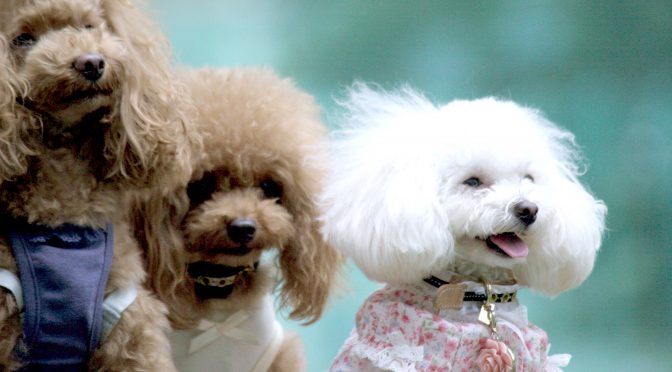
[[261, 163], [13, 119], [89, 143]]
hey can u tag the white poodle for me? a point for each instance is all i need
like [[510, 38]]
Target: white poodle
[[456, 208]]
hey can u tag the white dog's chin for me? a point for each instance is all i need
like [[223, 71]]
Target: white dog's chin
[[500, 250]]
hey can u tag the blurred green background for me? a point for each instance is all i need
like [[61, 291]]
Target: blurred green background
[[602, 69]]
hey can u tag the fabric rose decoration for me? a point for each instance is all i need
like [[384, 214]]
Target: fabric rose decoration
[[494, 356]]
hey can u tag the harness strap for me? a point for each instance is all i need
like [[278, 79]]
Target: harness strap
[[11, 282], [114, 306]]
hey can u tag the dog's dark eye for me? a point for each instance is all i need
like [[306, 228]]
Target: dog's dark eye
[[529, 177], [472, 182], [201, 190], [88, 26], [271, 189], [25, 40]]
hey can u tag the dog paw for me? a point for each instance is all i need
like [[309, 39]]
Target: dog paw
[[8, 306]]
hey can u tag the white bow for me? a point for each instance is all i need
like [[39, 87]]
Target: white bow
[[227, 328]]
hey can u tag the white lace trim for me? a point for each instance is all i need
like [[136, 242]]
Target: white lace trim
[[555, 363], [399, 357]]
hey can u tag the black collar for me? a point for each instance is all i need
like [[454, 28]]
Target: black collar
[[218, 281], [473, 296]]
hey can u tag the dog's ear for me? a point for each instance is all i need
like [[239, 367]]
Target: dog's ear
[[309, 265], [14, 120], [576, 221], [153, 139], [155, 219], [382, 206]]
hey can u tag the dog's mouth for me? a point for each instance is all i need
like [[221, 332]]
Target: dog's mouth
[[84, 95], [507, 244], [238, 251], [65, 101]]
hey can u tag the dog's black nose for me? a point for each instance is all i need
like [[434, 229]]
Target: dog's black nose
[[242, 230], [90, 65], [526, 211]]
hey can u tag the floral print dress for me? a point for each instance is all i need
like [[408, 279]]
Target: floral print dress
[[397, 329]]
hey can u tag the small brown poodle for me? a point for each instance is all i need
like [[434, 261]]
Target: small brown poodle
[[252, 194], [98, 118]]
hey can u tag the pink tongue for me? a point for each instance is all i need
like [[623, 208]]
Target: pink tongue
[[510, 244]]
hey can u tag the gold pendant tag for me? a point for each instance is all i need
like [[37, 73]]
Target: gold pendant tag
[[487, 316], [449, 296], [484, 315]]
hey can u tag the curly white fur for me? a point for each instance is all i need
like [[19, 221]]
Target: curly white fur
[[396, 201]]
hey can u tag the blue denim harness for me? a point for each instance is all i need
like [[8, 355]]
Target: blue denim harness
[[63, 273]]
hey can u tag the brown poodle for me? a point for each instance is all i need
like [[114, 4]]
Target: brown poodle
[[251, 193], [99, 118]]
